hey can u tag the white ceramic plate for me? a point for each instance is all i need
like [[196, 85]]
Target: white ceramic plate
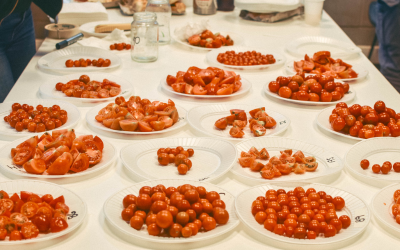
[[246, 86], [267, 6], [381, 207], [361, 71], [349, 96], [212, 58], [237, 39], [6, 164], [376, 151], [48, 89], [323, 123], [88, 28], [76, 205], [91, 114], [328, 162], [203, 118], [355, 208], [212, 158], [113, 207], [74, 115], [56, 60], [311, 44]]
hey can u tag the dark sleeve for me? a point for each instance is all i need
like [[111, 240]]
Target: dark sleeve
[[50, 7], [6, 7]]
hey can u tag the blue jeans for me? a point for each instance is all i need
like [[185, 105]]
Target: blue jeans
[[17, 47]]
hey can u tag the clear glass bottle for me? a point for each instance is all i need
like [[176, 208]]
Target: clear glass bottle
[[144, 37], [162, 8]]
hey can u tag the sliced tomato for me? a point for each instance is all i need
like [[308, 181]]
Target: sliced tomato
[[246, 162], [29, 209], [256, 166], [17, 206], [114, 91], [129, 124], [284, 168], [38, 154], [221, 123], [167, 120], [25, 195], [236, 132], [267, 173], [58, 224], [43, 143], [264, 155], [157, 125], [175, 116], [6, 205], [144, 127], [258, 130], [94, 156], [61, 165], [35, 166], [56, 133], [79, 145], [56, 200], [199, 90], [19, 218], [4, 195], [311, 166], [179, 87], [99, 142], [23, 155], [254, 111], [31, 142], [45, 209], [150, 118], [81, 163], [29, 230], [226, 91], [47, 136], [60, 150]]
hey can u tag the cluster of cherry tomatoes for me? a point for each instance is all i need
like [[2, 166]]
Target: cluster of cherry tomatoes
[[385, 168], [258, 123], [36, 120], [396, 206], [300, 214], [58, 153], [138, 114], [314, 88], [85, 63], [247, 58], [209, 81], [86, 88], [177, 155], [364, 121], [277, 166], [26, 215], [209, 40], [120, 46], [174, 212]]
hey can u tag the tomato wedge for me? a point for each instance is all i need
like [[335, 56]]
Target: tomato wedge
[[99, 142], [157, 125], [4, 195], [35, 166], [29, 230], [167, 120], [61, 165], [94, 156], [31, 142], [19, 219], [144, 127], [81, 163], [29, 209], [25, 195], [6, 205], [23, 155]]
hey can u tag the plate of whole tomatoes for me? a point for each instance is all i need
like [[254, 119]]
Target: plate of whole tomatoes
[[206, 83], [107, 86], [295, 160], [210, 159], [27, 195], [60, 154], [155, 227], [292, 219], [31, 117], [313, 90]]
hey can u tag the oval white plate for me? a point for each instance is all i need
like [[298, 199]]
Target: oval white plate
[[212, 58], [237, 40], [113, 207], [246, 86], [328, 162], [89, 28], [91, 114], [212, 158], [355, 208], [76, 205], [56, 60], [361, 71], [349, 96], [203, 118], [109, 154], [48, 89], [312, 44], [74, 115], [323, 123], [377, 151], [381, 207]]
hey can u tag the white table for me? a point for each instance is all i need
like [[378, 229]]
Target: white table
[[95, 233]]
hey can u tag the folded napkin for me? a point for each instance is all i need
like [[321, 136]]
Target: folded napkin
[[116, 36], [80, 13]]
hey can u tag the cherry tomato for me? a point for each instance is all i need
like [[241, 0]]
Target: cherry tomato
[[364, 164]]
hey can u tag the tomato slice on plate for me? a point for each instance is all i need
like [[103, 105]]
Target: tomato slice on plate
[[54, 202], [81, 163], [19, 218], [23, 155], [29, 209], [61, 165], [35, 166], [25, 195], [6, 205], [94, 156]]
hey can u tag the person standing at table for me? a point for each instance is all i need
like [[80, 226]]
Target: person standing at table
[[17, 38]]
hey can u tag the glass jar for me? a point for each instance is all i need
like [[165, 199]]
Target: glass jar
[[162, 8], [144, 37]]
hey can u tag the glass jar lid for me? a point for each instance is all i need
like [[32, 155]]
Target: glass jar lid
[[144, 17]]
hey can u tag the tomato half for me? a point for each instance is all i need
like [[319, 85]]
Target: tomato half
[[29, 209], [19, 219], [35, 166], [58, 224], [23, 155], [29, 230], [81, 163], [61, 165]]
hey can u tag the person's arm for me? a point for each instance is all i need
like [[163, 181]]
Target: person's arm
[[50, 7], [6, 8]]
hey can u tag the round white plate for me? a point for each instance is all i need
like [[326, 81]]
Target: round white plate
[[361, 71], [74, 115], [91, 114], [349, 96], [328, 162], [76, 205], [323, 123], [113, 207], [56, 60], [88, 28], [109, 154], [381, 207], [212, 58], [246, 86], [237, 40], [48, 89], [203, 118], [212, 158], [376, 151], [311, 44], [355, 208]]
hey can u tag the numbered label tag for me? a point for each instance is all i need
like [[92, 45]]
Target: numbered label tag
[[136, 40], [282, 122], [72, 215], [360, 217], [330, 160]]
